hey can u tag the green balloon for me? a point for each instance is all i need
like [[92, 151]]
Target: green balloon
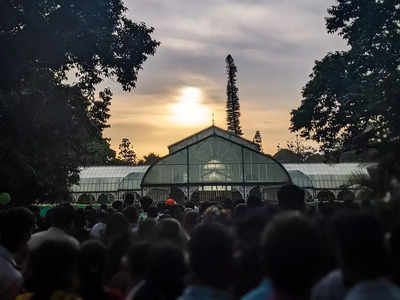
[[5, 198]]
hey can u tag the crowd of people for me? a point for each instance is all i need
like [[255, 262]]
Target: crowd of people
[[210, 250]]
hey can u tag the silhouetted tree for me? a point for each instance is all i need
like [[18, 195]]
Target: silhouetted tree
[[297, 151], [51, 119], [258, 140], [352, 98], [232, 103], [126, 152], [286, 156], [148, 159]]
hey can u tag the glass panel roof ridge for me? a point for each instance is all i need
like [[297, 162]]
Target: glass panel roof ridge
[[324, 168], [209, 131], [110, 171], [108, 178]]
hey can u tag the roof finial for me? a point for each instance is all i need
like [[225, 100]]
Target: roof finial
[[212, 119]]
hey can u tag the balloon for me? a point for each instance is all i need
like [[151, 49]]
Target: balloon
[[5, 198]]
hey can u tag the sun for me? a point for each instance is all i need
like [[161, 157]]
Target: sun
[[189, 111]]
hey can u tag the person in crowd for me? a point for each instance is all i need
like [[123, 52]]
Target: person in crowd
[[330, 287], [152, 212], [54, 271], [240, 211], [254, 202], [81, 231], [145, 202], [248, 229], [147, 229], [291, 197], [63, 222], [177, 212], [138, 263], [190, 220], [165, 276], [98, 229], [170, 230], [117, 205], [118, 239], [132, 216], [363, 257], [292, 256], [215, 213], [16, 225], [117, 226], [395, 253], [92, 267], [211, 261]]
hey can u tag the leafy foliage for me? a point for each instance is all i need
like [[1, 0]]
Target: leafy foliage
[[148, 159], [126, 153], [51, 124], [232, 104], [352, 98], [258, 140], [297, 151]]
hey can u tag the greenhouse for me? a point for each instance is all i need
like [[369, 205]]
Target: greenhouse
[[212, 164], [327, 181], [108, 183]]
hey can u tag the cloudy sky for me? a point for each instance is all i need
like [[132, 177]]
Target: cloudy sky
[[274, 44]]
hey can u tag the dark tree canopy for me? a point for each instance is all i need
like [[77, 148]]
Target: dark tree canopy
[[232, 103], [51, 123], [148, 159], [352, 100], [126, 153], [258, 140]]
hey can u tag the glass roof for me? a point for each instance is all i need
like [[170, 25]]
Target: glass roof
[[109, 179], [328, 176], [216, 160], [300, 179], [213, 130]]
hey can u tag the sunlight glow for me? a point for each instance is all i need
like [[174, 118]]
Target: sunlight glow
[[189, 111]]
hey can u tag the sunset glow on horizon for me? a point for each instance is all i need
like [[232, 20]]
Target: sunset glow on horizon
[[184, 83]]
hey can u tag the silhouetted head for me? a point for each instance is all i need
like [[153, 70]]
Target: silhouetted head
[[292, 253], [117, 226], [54, 267], [254, 202], [170, 230], [117, 205], [138, 260], [16, 225], [240, 211], [92, 264], [211, 254], [165, 275], [190, 221], [146, 202], [63, 216], [291, 197], [131, 214], [360, 246], [152, 211], [147, 229]]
